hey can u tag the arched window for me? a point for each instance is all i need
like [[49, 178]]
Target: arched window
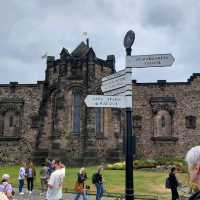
[[163, 122], [77, 113], [11, 121], [99, 121]]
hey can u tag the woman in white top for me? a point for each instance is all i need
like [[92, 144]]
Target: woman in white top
[[21, 177]]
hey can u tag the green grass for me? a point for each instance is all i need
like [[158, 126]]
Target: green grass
[[145, 182]]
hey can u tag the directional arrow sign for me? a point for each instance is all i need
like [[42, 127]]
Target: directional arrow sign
[[108, 101], [116, 83], [155, 60], [119, 73], [123, 91]]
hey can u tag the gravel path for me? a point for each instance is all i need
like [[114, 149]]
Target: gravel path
[[36, 196]]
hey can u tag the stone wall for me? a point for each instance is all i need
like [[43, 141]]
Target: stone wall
[[19, 106], [179, 100]]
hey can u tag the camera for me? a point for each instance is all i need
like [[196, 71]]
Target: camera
[[87, 187]]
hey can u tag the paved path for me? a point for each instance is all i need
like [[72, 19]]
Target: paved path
[[36, 196]]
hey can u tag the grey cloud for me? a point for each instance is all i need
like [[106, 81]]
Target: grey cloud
[[34, 27], [163, 14]]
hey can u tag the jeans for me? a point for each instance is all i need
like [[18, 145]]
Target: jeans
[[21, 185], [84, 195], [44, 184], [30, 183], [175, 195], [99, 191]]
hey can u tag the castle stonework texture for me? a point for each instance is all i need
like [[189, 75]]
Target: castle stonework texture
[[50, 119]]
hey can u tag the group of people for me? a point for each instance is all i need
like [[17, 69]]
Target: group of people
[[52, 176], [97, 179]]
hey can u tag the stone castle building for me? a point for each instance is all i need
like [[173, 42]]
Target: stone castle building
[[50, 118]]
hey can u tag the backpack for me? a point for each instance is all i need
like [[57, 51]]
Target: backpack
[[167, 183], [94, 180]]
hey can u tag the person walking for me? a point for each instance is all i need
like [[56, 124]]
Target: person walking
[[21, 177], [55, 183], [97, 180], [173, 183], [193, 160], [80, 184], [30, 175], [44, 178], [6, 187]]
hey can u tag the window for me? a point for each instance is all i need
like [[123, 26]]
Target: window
[[11, 121], [77, 113], [137, 121], [163, 122], [34, 121], [190, 122], [98, 121]]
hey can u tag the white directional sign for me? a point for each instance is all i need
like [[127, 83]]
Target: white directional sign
[[117, 82], [109, 101], [155, 60], [119, 73], [123, 91]]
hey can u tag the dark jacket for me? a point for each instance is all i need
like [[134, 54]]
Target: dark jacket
[[195, 196], [82, 177], [33, 171], [173, 181], [98, 178]]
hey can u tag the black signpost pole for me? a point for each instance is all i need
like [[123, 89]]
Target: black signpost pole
[[129, 151], [130, 139]]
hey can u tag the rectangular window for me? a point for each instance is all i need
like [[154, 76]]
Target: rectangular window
[[190, 122], [137, 122]]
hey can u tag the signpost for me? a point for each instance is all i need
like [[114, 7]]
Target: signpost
[[130, 137], [108, 101], [154, 60], [118, 87]]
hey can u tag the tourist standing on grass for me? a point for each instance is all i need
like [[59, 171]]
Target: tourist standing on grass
[[97, 179], [44, 177], [80, 184], [6, 187], [51, 167], [173, 183], [193, 161], [30, 175], [21, 177], [55, 183]]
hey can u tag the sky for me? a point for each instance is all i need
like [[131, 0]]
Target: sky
[[30, 28]]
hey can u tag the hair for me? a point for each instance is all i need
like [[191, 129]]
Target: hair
[[57, 162], [193, 156], [99, 168], [82, 169], [5, 177], [173, 169]]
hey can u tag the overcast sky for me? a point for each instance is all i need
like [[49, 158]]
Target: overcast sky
[[30, 28]]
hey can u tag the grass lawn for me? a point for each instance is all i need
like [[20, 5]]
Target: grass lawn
[[144, 182]]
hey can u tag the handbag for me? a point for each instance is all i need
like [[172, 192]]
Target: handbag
[[78, 187], [3, 196]]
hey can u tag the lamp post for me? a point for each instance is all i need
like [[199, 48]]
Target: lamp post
[[130, 138]]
